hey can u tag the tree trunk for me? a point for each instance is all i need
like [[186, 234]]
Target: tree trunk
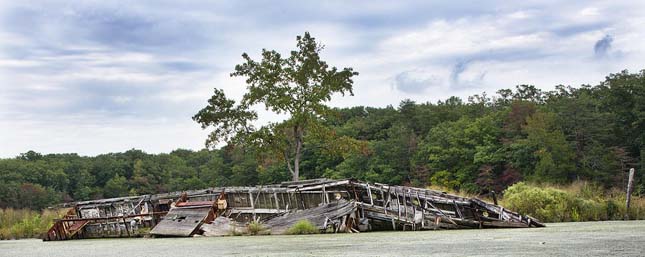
[[296, 160]]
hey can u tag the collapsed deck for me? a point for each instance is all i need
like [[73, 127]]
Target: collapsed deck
[[331, 205]]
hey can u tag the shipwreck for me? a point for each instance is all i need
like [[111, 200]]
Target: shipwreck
[[332, 206]]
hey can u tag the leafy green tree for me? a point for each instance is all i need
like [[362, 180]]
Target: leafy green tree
[[145, 176], [30, 156], [354, 166], [243, 167], [587, 127], [555, 158], [115, 187], [298, 85], [9, 192], [448, 153], [390, 158], [623, 94], [213, 170], [35, 196]]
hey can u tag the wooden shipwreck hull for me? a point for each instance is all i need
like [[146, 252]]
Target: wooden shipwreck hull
[[331, 205]]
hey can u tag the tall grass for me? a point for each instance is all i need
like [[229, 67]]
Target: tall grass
[[256, 228], [580, 201], [303, 227], [25, 223]]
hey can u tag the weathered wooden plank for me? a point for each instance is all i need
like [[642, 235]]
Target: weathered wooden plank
[[317, 187], [223, 226], [321, 216], [369, 193], [181, 222]]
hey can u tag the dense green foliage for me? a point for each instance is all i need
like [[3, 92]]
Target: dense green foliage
[[591, 133], [576, 202]]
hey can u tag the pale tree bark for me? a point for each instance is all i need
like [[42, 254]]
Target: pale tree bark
[[288, 161], [296, 159]]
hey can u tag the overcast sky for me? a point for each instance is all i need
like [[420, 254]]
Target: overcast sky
[[107, 76]]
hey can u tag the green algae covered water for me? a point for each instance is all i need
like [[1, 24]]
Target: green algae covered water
[[608, 238]]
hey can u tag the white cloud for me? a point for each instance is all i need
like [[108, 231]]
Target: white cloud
[[96, 76], [75, 135], [589, 11], [520, 15]]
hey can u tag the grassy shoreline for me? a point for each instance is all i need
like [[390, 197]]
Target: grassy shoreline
[[580, 201], [25, 223]]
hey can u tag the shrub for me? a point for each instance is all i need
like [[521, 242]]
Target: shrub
[[256, 228], [24, 223], [303, 227], [547, 204], [577, 202]]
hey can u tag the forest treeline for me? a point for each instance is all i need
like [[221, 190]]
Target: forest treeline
[[475, 145]]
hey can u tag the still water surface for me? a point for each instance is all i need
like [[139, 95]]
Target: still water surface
[[610, 238]]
